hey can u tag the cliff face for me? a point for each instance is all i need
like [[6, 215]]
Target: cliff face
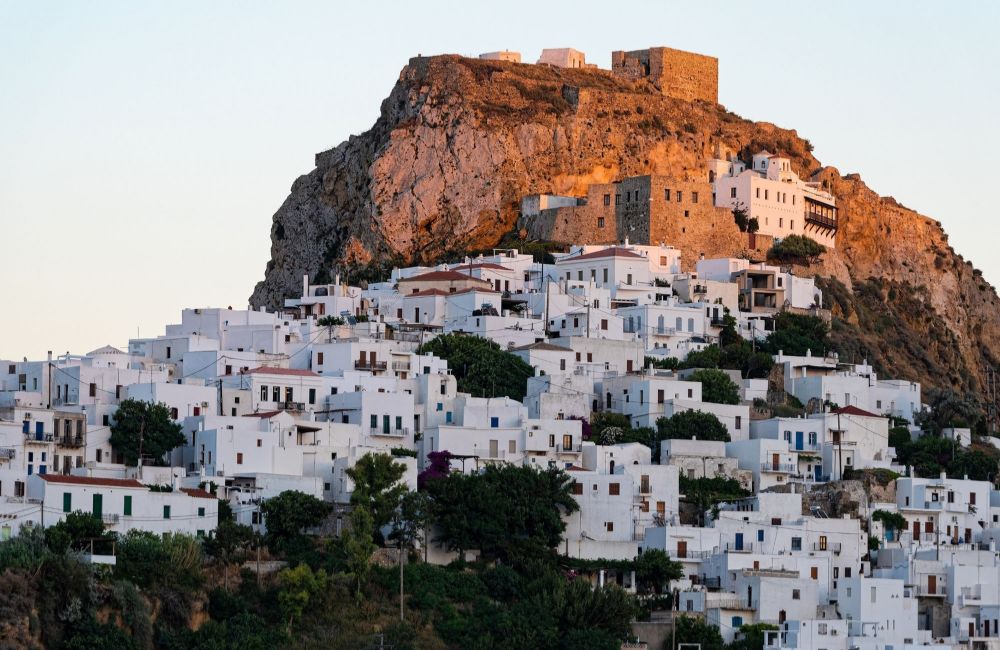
[[460, 141]]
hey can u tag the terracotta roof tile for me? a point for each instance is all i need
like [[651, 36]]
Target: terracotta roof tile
[[267, 370], [65, 479], [198, 493], [613, 251], [854, 410]]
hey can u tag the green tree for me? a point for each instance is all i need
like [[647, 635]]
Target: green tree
[[147, 428], [411, 518], [707, 492], [688, 629], [298, 589], [704, 358], [728, 334], [480, 367], [605, 420], [289, 513], [796, 248], [74, 531], [378, 486], [692, 424], [654, 570], [977, 464], [358, 547], [890, 520], [716, 386], [507, 512], [751, 637], [797, 334]]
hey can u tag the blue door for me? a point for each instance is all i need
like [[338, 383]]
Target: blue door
[[798, 440], [739, 541], [819, 472], [39, 430]]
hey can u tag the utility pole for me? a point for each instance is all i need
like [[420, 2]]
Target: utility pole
[[401, 578]]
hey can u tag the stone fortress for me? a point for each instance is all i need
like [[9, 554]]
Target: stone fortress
[[676, 73]]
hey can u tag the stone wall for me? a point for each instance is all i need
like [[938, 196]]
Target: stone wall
[[680, 74]]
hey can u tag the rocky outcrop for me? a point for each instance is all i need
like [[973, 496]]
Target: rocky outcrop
[[459, 141]]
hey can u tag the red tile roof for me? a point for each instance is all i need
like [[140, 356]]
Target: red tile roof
[[262, 414], [575, 468], [854, 410], [198, 493], [91, 480], [266, 370], [439, 275], [425, 292], [613, 251]]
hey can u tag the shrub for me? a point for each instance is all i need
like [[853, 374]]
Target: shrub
[[796, 247]]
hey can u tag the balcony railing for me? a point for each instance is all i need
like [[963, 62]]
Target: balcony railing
[[570, 449], [7, 453], [395, 433], [70, 441], [401, 365], [37, 438], [710, 582], [370, 365], [728, 603], [109, 519], [689, 554], [745, 547], [291, 406], [834, 547], [821, 220], [783, 468]]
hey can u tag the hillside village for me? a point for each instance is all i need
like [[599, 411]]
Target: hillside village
[[694, 408]]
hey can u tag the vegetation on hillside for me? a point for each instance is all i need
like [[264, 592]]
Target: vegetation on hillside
[[480, 367]]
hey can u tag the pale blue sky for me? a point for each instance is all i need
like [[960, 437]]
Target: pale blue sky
[[144, 146]]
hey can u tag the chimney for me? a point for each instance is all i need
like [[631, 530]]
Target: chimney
[[305, 285], [944, 475]]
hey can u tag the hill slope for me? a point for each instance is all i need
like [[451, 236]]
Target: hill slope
[[459, 141]]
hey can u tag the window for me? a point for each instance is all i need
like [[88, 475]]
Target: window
[[659, 396], [289, 394], [276, 393], [847, 572], [374, 421], [93, 389], [679, 196], [168, 351], [127, 509], [166, 512], [796, 543], [694, 197], [590, 355], [796, 594], [258, 442], [822, 628], [604, 325], [577, 487], [552, 440], [312, 395], [494, 422], [766, 194], [201, 512], [822, 542], [67, 502], [263, 393], [760, 535], [607, 199], [239, 458], [567, 442], [732, 192], [618, 199], [614, 489], [666, 194], [609, 526], [739, 421], [600, 222]]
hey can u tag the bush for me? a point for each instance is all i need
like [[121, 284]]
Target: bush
[[692, 424], [796, 247], [716, 386]]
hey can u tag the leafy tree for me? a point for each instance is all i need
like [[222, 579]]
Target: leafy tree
[[707, 492], [229, 536], [716, 386], [142, 426], [289, 513], [890, 520], [797, 248], [796, 334], [377, 486], [411, 519], [977, 464], [662, 363], [705, 358], [480, 367], [149, 560], [686, 425], [949, 408], [74, 531], [728, 334], [88, 634], [298, 589], [741, 216], [29, 550], [751, 637], [607, 419], [439, 466], [654, 570], [358, 547], [507, 512], [688, 629], [753, 225]]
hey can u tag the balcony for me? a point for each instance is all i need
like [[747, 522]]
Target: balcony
[[699, 289], [570, 449], [70, 441], [821, 220], [710, 582], [728, 603], [109, 519], [7, 453], [834, 547], [923, 592], [291, 406], [37, 438], [373, 366], [781, 468], [689, 554], [745, 547], [403, 366], [392, 433], [717, 321]]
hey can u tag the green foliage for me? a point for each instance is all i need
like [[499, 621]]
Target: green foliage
[[229, 536], [377, 486], [688, 629], [707, 492], [751, 637], [135, 612], [88, 634], [358, 546], [330, 321], [662, 363], [298, 589], [692, 424], [741, 216], [173, 561], [507, 512], [795, 334], [411, 518], [716, 386], [480, 367], [796, 248], [606, 419], [874, 543], [654, 570], [74, 532], [244, 631], [737, 355], [890, 520], [137, 421], [291, 512], [28, 550]]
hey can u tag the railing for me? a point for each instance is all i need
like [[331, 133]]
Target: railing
[[7, 453], [922, 590], [572, 449], [786, 468], [370, 365], [689, 554], [40, 438], [718, 322], [834, 547], [291, 406], [110, 519], [746, 547], [396, 433], [699, 289], [401, 365], [70, 441], [821, 220], [727, 603], [711, 582]]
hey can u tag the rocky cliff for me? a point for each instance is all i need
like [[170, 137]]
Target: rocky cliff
[[459, 141]]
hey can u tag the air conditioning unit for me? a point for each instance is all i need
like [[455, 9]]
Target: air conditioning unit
[[204, 405]]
